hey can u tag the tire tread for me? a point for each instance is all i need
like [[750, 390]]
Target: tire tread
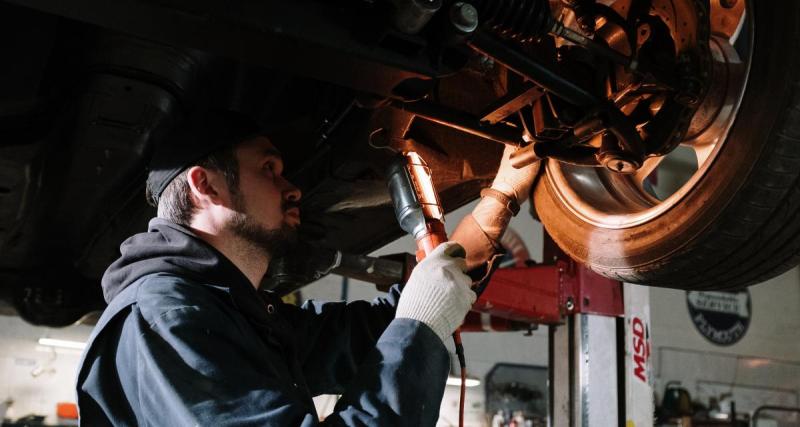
[[762, 224]]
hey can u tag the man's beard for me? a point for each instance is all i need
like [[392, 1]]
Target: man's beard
[[275, 242]]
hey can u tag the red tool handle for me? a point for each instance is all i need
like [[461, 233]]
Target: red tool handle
[[420, 214], [428, 242], [425, 245]]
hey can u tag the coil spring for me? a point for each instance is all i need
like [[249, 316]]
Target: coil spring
[[519, 20]]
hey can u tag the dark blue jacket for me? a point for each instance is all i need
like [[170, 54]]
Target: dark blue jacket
[[186, 340]]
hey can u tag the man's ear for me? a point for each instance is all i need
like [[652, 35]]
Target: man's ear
[[207, 186]]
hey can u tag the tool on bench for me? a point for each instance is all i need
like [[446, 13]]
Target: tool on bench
[[417, 208]]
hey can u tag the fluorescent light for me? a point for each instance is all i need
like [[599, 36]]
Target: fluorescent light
[[456, 381], [51, 342]]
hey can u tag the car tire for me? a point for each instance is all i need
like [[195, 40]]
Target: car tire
[[740, 223]]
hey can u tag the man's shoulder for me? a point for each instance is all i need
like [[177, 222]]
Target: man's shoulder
[[160, 294]]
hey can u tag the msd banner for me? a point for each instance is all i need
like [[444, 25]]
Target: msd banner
[[638, 381], [640, 341]]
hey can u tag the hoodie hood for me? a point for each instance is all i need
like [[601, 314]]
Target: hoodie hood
[[170, 248]]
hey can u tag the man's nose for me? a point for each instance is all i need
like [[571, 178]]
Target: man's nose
[[290, 192]]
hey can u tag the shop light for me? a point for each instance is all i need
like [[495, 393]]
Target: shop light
[[52, 342], [456, 381]]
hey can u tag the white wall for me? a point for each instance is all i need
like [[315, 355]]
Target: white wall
[[37, 377], [763, 367]]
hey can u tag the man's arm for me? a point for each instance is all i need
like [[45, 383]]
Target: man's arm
[[480, 231], [194, 368], [333, 338]]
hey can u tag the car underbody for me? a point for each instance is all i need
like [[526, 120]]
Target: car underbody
[[339, 86]]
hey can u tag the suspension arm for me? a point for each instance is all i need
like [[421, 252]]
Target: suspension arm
[[540, 73]]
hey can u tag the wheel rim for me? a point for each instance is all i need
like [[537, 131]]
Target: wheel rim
[[611, 200]]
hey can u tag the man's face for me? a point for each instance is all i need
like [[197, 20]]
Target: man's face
[[266, 205]]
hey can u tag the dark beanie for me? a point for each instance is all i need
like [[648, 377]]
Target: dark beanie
[[193, 140]]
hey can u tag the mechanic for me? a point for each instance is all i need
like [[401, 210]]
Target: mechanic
[[188, 338]]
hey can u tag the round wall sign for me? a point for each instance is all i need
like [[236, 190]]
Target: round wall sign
[[721, 317]]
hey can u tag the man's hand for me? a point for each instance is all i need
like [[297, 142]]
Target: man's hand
[[438, 292], [492, 215], [515, 183], [480, 232]]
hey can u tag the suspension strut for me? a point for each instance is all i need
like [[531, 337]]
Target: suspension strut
[[525, 21]]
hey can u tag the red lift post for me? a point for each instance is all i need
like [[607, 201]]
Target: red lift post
[[597, 375]]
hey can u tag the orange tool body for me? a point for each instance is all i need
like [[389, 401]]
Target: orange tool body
[[434, 233], [419, 212]]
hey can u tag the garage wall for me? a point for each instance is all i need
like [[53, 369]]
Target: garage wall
[[37, 377], [763, 367]]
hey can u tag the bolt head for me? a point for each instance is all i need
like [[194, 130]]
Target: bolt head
[[618, 164], [464, 17], [689, 95], [621, 166]]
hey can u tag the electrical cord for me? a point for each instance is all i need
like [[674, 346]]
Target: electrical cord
[[462, 361]]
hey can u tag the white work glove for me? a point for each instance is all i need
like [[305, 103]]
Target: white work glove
[[438, 292], [513, 182]]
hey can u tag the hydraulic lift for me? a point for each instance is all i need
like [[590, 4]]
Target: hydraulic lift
[[599, 338]]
